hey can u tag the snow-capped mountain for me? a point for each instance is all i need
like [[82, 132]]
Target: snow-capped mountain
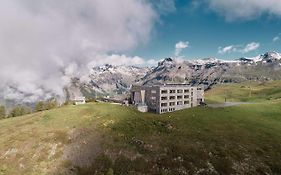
[[265, 58], [113, 80], [117, 80], [107, 80], [206, 71]]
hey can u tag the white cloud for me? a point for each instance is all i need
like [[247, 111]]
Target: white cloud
[[180, 46], [245, 9], [239, 48], [251, 47], [275, 39], [227, 49], [42, 43], [117, 60], [152, 62]]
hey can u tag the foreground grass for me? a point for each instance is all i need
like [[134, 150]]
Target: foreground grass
[[102, 138]]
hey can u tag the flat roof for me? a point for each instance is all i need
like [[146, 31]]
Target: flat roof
[[166, 85]]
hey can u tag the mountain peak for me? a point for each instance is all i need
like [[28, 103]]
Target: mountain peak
[[271, 56], [166, 61]]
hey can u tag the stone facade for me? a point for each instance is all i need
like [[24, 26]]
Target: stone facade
[[167, 97]]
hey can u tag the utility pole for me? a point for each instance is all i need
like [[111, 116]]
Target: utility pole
[[225, 95]]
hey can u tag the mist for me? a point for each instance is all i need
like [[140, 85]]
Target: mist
[[45, 43]]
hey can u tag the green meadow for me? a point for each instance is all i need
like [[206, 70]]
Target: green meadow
[[245, 92], [102, 138]]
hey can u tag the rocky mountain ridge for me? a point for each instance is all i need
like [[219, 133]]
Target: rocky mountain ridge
[[116, 80]]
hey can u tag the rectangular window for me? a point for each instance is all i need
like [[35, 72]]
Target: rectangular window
[[164, 98], [186, 102], [172, 97], [153, 91], [186, 96], [164, 92], [179, 91], [179, 97], [186, 91], [179, 103], [171, 109], [172, 91], [199, 89], [172, 103], [164, 104]]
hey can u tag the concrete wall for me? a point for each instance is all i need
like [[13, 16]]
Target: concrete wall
[[176, 98], [152, 97]]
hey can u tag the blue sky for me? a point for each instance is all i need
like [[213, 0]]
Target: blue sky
[[206, 29], [49, 42]]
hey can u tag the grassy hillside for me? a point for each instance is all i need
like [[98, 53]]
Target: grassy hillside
[[111, 139], [245, 92]]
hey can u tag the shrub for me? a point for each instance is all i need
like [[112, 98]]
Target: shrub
[[19, 110], [39, 106], [91, 100], [51, 105], [67, 102], [42, 106], [2, 112]]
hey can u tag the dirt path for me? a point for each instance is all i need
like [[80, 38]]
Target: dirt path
[[228, 104]]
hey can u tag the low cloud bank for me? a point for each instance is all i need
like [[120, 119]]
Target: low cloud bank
[[45, 43]]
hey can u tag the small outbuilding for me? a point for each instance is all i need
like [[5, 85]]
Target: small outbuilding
[[79, 100]]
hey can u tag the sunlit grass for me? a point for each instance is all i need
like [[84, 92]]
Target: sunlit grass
[[243, 139]]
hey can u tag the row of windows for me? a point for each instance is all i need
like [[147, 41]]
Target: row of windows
[[174, 91], [166, 110], [174, 97], [171, 109], [174, 103]]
